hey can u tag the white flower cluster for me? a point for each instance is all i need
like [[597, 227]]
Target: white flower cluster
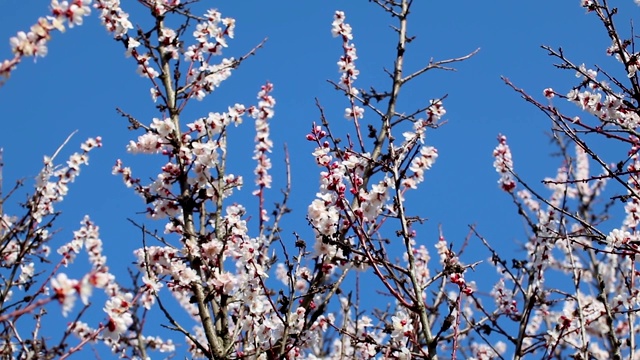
[[51, 191], [346, 64], [262, 113], [118, 304], [505, 300], [607, 107], [427, 154], [34, 42], [503, 164], [113, 17]]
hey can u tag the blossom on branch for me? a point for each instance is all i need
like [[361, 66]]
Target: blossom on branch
[[264, 145], [65, 291], [503, 164]]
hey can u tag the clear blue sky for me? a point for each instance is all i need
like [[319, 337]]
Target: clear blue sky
[[85, 76]]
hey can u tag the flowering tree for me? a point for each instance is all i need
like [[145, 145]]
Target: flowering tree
[[593, 314], [229, 283]]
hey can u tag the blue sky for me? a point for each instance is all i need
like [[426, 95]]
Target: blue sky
[[85, 76]]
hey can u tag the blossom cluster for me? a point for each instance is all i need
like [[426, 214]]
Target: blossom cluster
[[427, 155], [64, 13], [599, 100], [211, 37], [346, 64], [504, 164], [262, 113], [26, 251], [34, 42], [113, 17], [160, 7], [52, 185], [119, 303], [87, 237], [425, 159], [342, 176], [505, 300], [452, 264], [200, 148]]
